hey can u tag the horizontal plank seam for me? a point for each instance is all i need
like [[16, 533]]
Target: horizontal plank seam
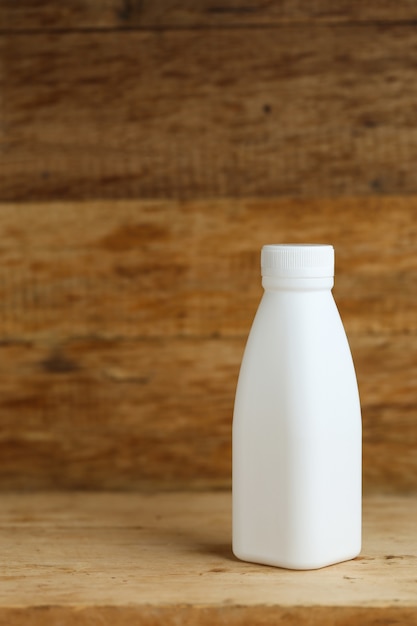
[[255, 26], [33, 338]]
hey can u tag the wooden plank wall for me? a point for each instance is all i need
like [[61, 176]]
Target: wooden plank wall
[[147, 151], [250, 107]]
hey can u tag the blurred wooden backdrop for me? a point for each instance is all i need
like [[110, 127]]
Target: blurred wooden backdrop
[[147, 150]]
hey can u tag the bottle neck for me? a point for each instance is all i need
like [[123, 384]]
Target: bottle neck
[[272, 283]]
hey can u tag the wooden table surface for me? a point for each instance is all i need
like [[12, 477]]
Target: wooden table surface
[[166, 558]]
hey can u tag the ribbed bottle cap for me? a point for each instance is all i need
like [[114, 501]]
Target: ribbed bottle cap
[[298, 261]]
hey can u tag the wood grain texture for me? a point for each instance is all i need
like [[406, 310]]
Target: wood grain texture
[[191, 269], [123, 325], [183, 615], [141, 414], [47, 15], [323, 111], [166, 559]]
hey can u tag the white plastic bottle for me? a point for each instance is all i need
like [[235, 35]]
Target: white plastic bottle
[[297, 434]]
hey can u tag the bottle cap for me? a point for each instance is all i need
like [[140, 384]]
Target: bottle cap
[[298, 261]]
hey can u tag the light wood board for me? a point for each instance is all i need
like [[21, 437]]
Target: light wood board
[[111, 557]]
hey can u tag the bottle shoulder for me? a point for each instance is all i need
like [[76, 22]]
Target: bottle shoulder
[[298, 354], [298, 315]]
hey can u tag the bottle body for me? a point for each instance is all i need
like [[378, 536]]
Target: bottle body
[[297, 434]]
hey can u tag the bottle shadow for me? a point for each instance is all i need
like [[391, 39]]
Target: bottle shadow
[[221, 550]]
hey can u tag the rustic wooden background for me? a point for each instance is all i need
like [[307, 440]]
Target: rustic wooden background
[[147, 150]]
